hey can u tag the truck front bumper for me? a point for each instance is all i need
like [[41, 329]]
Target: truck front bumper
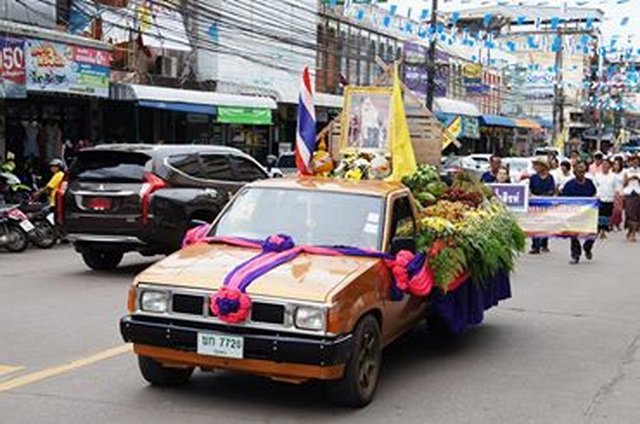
[[267, 353]]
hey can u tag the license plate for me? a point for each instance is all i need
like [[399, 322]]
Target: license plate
[[27, 225], [220, 345], [51, 219], [99, 203]]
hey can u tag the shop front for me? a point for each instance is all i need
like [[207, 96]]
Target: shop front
[[51, 85], [498, 134], [148, 114]]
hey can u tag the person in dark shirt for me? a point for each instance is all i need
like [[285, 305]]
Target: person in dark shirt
[[541, 184], [491, 175], [580, 186]]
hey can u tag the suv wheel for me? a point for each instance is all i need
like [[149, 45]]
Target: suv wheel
[[358, 385], [159, 375], [101, 260]]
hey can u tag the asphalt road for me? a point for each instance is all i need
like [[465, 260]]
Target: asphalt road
[[565, 349]]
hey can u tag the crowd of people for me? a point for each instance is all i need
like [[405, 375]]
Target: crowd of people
[[614, 180]]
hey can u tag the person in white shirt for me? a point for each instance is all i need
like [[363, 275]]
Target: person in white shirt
[[562, 174], [606, 184], [631, 192], [618, 203]]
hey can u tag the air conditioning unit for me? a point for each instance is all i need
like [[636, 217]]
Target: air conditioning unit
[[169, 66]]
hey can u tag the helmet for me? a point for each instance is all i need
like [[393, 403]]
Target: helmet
[[57, 162]]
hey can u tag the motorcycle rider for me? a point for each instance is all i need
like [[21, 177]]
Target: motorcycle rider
[[57, 170]]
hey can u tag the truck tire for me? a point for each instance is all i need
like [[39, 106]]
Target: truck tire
[[101, 260], [19, 239], [158, 375], [357, 387]]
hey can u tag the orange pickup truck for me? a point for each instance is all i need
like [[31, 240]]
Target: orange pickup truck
[[311, 317]]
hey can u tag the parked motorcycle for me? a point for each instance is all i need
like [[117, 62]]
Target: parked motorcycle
[[11, 188], [15, 229], [45, 235]]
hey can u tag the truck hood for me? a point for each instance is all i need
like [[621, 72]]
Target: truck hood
[[307, 277]]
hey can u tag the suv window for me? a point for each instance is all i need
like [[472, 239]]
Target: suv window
[[402, 222], [112, 166], [246, 170], [189, 164], [215, 167]]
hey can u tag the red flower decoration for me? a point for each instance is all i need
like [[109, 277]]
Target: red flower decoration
[[230, 305], [417, 283]]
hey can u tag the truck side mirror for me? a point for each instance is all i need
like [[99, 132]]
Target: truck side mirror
[[402, 243]]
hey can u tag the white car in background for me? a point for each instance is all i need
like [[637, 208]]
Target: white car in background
[[520, 169], [476, 162]]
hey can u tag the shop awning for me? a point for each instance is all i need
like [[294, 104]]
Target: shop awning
[[179, 107], [147, 93], [497, 121], [545, 123], [455, 107], [528, 124]]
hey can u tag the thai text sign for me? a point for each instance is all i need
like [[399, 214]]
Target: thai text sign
[[12, 73], [513, 196], [57, 67], [560, 217]]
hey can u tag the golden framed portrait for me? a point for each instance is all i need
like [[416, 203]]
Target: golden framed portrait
[[366, 119]]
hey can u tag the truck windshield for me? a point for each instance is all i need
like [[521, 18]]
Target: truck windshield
[[310, 217]]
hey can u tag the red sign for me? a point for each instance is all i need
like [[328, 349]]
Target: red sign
[[12, 68]]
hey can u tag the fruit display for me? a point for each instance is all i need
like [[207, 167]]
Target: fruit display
[[463, 230]]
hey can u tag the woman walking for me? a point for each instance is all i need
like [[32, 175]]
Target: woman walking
[[606, 185], [618, 202], [631, 193]]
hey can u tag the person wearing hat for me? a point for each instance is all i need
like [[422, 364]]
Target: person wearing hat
[[57, 175], [541, 184]]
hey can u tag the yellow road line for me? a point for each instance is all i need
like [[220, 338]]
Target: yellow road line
[[8, 369], [61, 369]]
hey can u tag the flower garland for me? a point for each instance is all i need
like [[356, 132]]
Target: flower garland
[[232, 304]]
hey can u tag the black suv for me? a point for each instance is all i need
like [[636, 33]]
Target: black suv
[[131, 197]]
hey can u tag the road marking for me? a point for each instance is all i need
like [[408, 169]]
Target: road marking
[[8, 369], [61, 369]]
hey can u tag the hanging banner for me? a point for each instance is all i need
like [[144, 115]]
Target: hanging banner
[[12, 70], [560, 217], [62, 68], [452, 131], [415, 72]]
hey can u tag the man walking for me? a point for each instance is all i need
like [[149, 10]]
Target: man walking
[[541, 184], [580, 186]]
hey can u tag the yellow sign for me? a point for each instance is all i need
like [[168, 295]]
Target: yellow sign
[[452, 132], [472, 71]]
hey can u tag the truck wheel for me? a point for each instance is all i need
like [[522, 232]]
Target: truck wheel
[[159, 375], [358, 385], [100, 260], [18, 240]]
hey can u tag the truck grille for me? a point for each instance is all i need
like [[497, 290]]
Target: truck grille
[[197, 305]]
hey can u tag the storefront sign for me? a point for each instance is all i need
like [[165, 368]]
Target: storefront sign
[[560, 217], [12, 70], [244, 115], [513, 196], [57, 67]]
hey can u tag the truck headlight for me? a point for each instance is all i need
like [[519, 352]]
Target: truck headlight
[[310, 318], [154, 301]]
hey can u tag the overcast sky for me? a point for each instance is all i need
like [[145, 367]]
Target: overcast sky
[[615, 12]]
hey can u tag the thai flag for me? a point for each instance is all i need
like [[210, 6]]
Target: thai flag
[[306, 131]]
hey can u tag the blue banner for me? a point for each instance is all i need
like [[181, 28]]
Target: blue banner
[[513, 196]]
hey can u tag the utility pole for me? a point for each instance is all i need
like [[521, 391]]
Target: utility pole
[[558, 92], [431, 62]]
